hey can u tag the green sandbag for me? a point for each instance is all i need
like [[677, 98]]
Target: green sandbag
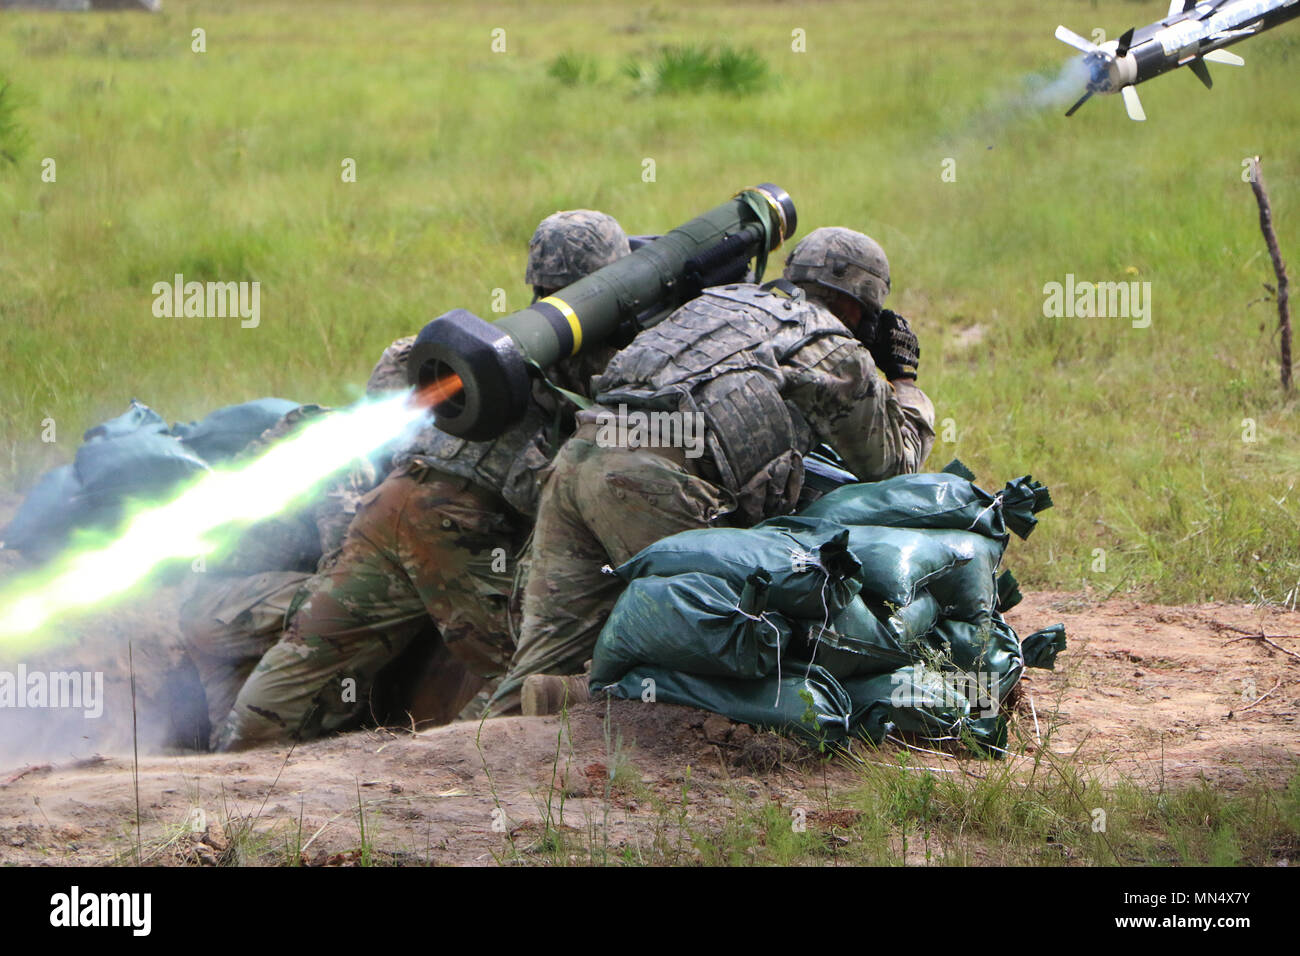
[[942, 501], [813, 575], [895, 562], [1008, 592], [990, 651], [50, 510], [1040, 648], [224, 432], [837, 662], [804, 701], [139, 417], [89, 492], [139, 464], [695, 623], [969, 591], [923, 701], [898, 562], [911, 623], [872, 639]]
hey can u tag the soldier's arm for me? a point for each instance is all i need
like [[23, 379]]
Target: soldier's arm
[[879, 428]]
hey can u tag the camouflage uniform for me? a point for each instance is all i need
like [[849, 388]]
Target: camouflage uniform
[[228, 623], [771, 374], [437, 541], [425, 545]]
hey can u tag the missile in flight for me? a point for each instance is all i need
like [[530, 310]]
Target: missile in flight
[[1191, 35]]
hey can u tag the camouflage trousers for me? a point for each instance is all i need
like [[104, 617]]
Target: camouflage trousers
[[600, 506], [425, 549], [228, 623]]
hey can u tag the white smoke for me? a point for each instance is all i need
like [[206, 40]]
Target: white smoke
[[1043, 91]]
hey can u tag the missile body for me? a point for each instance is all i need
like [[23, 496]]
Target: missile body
[[492, 360], [1192, 34]]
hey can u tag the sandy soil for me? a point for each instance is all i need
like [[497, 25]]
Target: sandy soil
[[1148, 692]]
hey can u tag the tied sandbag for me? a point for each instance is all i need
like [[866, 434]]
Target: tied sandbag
[[989, 650], [942, 501], [802, 700], [898, 562], [926, 702], [139, 417], [893, 562], [89, 492], [812, 573], [1008, 592], [1040, 648], [692, 622], [140, 464], [48, 513], [223, 433], [873, 639], [921, 648], [969, 591]]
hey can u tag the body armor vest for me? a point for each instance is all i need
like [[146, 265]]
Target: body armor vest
[[723, 356], [506, 465]]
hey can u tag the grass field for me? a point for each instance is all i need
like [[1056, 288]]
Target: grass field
[[225, 165]]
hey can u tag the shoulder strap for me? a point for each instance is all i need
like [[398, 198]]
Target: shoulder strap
[[783, 287]]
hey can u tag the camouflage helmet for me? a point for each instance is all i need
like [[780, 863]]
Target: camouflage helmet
[[389, 374], [843, 260], [570, 245]]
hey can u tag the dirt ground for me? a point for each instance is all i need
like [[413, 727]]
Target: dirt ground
[[1148, 692]]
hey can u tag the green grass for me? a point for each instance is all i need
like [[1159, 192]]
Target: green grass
[[1055, 812], [690, 68], [13, 138], [573, 68], [227, 165]]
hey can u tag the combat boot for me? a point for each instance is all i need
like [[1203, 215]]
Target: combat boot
[[546, 694]]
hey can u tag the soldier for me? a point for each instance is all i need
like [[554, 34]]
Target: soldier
[[767, 374], [436, 542]]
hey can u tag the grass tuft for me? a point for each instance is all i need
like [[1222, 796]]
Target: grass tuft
[[692, 68], [573, 69], [13, 135]]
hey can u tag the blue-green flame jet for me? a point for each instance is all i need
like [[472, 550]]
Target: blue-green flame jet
[[185, 526]]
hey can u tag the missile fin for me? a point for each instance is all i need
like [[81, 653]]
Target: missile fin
[[1125, 40], [1224, 57], [1202, 72], [1066, 35], [1133, 104], [1083, 99]]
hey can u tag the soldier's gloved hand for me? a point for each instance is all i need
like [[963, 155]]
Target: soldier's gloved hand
[[895, 349]]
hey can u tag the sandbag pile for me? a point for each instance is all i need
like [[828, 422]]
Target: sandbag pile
[[877, 608], [133, 457]]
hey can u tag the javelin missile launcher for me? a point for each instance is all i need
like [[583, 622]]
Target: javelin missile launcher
[[476, 375]]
